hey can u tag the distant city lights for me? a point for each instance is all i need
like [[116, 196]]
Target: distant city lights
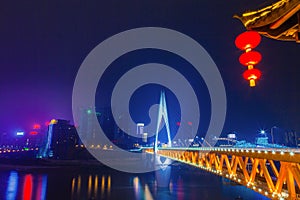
[[33, 132], [20, 133], [53, 121], [36, 126], [47, 123]]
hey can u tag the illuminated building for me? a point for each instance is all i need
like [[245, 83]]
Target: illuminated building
[[36, 136], [140, 133], [145, 137], [280, 21], [228, 141], [262, 141], [62, 139], [20, 133], [140, 129], [291, 139], [87, 125]]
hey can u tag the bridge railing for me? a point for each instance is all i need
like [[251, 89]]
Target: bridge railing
[[274, 173]]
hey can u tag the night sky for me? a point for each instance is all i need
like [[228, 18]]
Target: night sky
[[43, 44]]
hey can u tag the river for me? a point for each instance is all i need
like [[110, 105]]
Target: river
[[88, 183]]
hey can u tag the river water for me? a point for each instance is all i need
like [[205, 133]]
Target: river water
[[88, 183]]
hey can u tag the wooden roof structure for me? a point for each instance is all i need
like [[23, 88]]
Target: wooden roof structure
[[280, 21]]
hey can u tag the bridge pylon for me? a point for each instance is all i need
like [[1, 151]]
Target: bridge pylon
[[162, 120]]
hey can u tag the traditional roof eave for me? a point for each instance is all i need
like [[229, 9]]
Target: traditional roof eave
[[280, 20], [284, 18], [268, 14]]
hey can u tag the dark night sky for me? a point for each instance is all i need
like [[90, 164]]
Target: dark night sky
[[43, 44]]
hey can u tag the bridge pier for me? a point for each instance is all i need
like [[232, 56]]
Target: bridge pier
[[163, 172]]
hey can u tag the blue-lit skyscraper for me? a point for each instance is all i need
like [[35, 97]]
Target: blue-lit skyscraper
[[62, 139]]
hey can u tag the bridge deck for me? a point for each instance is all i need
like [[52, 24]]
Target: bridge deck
[[274, 173]]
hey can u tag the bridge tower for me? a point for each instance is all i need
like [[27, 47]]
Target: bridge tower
[[162, 120]]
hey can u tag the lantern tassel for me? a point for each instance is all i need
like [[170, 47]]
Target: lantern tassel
[[252, 83]]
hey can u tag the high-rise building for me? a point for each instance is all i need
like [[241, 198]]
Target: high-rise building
[[291, 138], [140, 129], [62, 140], [145, 137], [87, 125]]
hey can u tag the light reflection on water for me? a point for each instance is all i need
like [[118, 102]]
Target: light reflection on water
[[12, 186], [92, 187], [104, 183], [25, 186]]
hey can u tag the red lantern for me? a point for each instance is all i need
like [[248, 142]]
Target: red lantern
[[247, 40], [251, 75], [250, 58]]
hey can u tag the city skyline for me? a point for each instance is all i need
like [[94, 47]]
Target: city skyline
[[42, 52], [150, 99]]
